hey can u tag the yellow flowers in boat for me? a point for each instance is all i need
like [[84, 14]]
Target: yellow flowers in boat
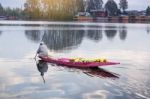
[[88, 60], [76, 59], [100, 60]]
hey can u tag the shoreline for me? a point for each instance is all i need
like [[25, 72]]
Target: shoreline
[[116, 19]]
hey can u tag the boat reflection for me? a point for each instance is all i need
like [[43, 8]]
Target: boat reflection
[[0, 32], [99, 72], [148, 29], [95, 72], [42, 67]]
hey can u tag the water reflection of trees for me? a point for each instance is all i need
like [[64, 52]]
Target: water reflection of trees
[[110, 31], [57, 39], [0, 32], [69, 39], [34, 35], [95, 35], [148, 29], [123, 32], [61, 39]]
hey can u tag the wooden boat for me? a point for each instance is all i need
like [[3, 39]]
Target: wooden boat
[[81, 64]]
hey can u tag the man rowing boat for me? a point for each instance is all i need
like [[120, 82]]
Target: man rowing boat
[[43, 50]]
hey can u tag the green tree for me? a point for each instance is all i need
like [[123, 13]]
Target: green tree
[[148, 11], [94, 5], [123, 5], [1, 9], [8, 11], [111, 8]]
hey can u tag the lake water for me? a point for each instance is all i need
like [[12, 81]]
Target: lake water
[[20, 74]]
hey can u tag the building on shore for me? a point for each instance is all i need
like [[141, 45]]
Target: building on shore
[[101, 15], [83, 16], [3, 18]]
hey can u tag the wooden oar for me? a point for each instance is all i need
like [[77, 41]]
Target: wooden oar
[[43, 79], [35, 55]]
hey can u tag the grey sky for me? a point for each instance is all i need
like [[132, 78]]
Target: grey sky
[[133, 4], [12, 3]]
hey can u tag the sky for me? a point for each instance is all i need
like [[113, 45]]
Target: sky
[[133, 4]]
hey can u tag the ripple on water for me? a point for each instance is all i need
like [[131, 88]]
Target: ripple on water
[[99, 94], [141, 96], [102, 94], [44, 94], [68, 88]]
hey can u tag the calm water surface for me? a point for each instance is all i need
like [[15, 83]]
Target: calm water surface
[[20, 74]]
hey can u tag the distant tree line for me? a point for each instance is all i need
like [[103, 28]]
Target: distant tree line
[[16, 12], [64, 9]]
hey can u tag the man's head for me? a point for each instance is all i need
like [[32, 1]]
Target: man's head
[[42, 43]]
